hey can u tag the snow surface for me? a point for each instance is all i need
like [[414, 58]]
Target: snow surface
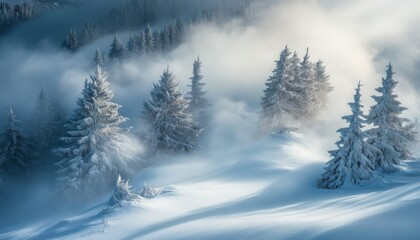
[[264, 190]]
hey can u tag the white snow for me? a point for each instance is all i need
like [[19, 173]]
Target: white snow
[[263, 190]]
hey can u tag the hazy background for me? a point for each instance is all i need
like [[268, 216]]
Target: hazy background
[[356, 40]]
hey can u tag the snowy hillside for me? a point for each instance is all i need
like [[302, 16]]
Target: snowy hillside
[[260, 191], [209, 120]]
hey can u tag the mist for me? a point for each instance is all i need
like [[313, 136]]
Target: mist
[[238, 56]]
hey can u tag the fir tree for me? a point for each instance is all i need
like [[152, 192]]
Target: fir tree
[[98, 58], [132, 45], [166, 43], [322, 85], [117, 51], [149, 40], [169, 128], [72, 41], [279, 102], [93, 135], [310, 103], [46, 126], [198, 102], [391, 133], [13, 148], [350, 163]]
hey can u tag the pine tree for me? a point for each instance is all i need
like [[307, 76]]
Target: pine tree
[[87, 34], [322, 84], [166, 43], [391, 133], [98, 59], [93, 135], [158, 41], [46, 126], [117, 51], [72, 42], [149, 40], [169, 128], [198, 102], [350, 163], [132, 46], [279, 102], [13, 148], [141, 42], [310, 102]]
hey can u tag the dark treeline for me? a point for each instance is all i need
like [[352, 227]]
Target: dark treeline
[[138, 13], [13, 14]]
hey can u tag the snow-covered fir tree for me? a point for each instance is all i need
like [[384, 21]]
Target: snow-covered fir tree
[[72, 41], [133, 46], [89, 160], [169, 128], [98, 58], [350, 163], [149, 40], [279, 102], [13, 148], [198, 101], [322, 85], [46, 126], [391, 133], [310, 102], [117, 51], [166, 44], [87, 34]]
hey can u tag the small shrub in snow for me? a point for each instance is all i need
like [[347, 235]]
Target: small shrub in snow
[[123, 195], [150, 192]]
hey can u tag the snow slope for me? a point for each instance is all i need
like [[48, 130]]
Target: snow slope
[[264, 190]]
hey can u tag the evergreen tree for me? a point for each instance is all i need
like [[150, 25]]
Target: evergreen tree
[[198, 102], [158, 41], [117, 51], [279, 102], [322, 84], [93, 137], [149, 40], [310, 103], [391, 133], [98, 58], [13, 148], [72, 41], [350, 163], [166, 43], [169, 128], [87, 34], [46, 126], [141, 42]]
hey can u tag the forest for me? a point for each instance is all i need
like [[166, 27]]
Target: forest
[[182, 119]]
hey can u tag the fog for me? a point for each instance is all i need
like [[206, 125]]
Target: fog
[[356, 40]]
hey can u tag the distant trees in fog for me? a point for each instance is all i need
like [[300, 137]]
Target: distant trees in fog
[[294, 93], [137, 14], [14, 150], [11, 14]]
